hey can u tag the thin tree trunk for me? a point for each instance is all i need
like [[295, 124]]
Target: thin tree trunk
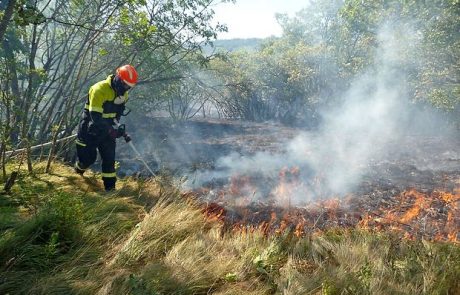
[[55, 135], [53, 147], [16, 108], [28, 98], [2, 155], [6, 18]]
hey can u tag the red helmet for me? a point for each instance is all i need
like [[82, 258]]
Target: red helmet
[[127, 74]]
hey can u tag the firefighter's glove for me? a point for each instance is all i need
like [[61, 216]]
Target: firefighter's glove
[[114, 134], [121, 130], [127, 137]]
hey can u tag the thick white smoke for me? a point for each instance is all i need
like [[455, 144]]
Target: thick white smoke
[[354, 134]]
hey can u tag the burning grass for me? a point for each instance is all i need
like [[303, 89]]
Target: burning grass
[[415, 215], [249, 203], [147, 239]]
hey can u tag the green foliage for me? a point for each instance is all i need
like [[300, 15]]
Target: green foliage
[[327, 288], [267, 260], [56, 50], [103, 52], [231, 277], [54, 229], [65, 211], [28, 14], [327, 46], [138, 286]]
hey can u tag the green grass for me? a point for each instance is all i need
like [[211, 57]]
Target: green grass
[[61, 235]]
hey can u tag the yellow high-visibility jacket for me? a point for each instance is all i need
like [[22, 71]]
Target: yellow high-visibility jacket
[[102, 99], [101, 108]]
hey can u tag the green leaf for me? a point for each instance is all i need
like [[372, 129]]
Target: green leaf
[[231, 277], [103, 52]]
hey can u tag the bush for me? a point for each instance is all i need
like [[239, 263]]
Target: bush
[[38, 242]]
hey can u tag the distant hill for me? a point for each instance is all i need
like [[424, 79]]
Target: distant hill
[[235, 44]]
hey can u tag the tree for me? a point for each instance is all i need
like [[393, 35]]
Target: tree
[[59, 48], [7, 15], [327, 45]]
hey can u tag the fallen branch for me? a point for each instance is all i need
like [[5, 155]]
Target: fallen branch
[[11, 153]]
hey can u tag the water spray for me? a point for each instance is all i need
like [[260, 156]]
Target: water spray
[[138, 154], [140, 157]]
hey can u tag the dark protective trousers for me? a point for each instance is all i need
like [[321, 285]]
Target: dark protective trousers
[[87, 154]]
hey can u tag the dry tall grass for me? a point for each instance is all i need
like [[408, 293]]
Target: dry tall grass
[[59, 235]]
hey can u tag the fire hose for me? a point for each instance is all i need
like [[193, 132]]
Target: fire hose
[[138, 154], [71, 137], [10, 153]]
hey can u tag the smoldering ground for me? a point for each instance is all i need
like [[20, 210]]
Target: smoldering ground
[[374, 134], [370, 125]]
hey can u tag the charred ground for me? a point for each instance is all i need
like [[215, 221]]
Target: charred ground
[[420, 161], [413, 186]]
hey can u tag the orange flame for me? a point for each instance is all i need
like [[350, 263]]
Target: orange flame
[[413, 214]]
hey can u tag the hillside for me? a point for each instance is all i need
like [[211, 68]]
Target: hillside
[[60, 235], [234, 44]]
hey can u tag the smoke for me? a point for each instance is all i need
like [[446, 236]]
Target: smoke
[[371, 116], [374, 113]]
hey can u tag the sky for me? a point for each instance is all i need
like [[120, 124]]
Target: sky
[[254, 18]]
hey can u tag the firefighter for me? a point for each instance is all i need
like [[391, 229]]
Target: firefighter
[[99, 128]]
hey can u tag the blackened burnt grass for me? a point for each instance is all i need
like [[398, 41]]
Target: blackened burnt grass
[[61, 235]]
